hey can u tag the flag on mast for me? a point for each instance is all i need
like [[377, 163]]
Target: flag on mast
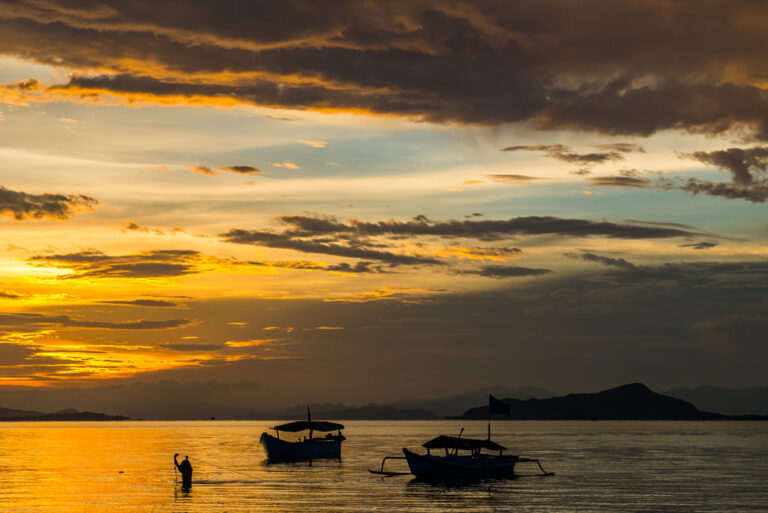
[[496, 406]]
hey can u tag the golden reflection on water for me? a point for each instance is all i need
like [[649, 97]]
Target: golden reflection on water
[[605, 466]]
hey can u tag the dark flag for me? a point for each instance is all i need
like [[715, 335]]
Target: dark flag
[[496, 406]]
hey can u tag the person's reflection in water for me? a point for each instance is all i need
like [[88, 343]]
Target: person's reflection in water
[[185, 467]]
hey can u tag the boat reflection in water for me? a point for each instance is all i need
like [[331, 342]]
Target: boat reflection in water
[[308, 447]]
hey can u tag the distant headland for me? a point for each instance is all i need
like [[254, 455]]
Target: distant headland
[[628, 402], [69, 414], [633, 401]]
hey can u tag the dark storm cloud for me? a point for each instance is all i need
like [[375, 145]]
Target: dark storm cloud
[[21, 205], [504, 271], [618, 109], [29, 322], [151, 264], [283, 241], [151, 303], [700, 245], [471, 61], [608, 261], [533, 225]]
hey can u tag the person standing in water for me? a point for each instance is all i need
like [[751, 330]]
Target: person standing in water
[[185, 467]]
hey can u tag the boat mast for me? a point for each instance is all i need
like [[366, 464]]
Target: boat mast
[[490, 404], [309, 419]]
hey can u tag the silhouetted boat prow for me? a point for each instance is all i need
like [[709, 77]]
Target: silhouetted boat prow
[[308, 447]]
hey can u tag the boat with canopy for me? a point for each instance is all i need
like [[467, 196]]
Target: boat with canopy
[[463, 458], [307, 447]]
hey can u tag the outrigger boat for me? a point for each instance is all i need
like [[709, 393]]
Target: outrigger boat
[[308, 447], [456, 466]]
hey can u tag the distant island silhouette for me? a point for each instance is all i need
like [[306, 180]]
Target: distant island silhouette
[[69, 414], [634, 401]]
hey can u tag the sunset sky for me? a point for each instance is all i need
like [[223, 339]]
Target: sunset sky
[[358, 200]]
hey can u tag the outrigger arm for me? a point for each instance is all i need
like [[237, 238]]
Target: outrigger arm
[[382, 472], [537, 462]]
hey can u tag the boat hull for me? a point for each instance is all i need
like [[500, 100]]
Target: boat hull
[[430, 467], [278, 449]]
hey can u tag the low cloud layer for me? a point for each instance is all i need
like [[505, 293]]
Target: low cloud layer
[[505, 271], [303, 265], [625, 178], [150, 303], [607, 261], [700, 245], [747, 168], [286, 241], [481, 229], [95, 264], [22, 205], [505, 178], [378, 244], [30, 322], [564, 154]]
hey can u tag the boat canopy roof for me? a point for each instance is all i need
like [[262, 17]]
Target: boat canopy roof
[[314, 425], [468, 444]]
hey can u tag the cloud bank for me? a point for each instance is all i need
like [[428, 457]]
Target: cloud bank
[[479, 62]]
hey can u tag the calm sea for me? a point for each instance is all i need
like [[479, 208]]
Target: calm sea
[[600, 466]]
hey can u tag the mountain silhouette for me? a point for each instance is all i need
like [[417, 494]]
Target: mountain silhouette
[[634, 401], [67, 414]]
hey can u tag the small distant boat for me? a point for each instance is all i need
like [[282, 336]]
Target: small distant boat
[[454, 465], [308, 447]]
